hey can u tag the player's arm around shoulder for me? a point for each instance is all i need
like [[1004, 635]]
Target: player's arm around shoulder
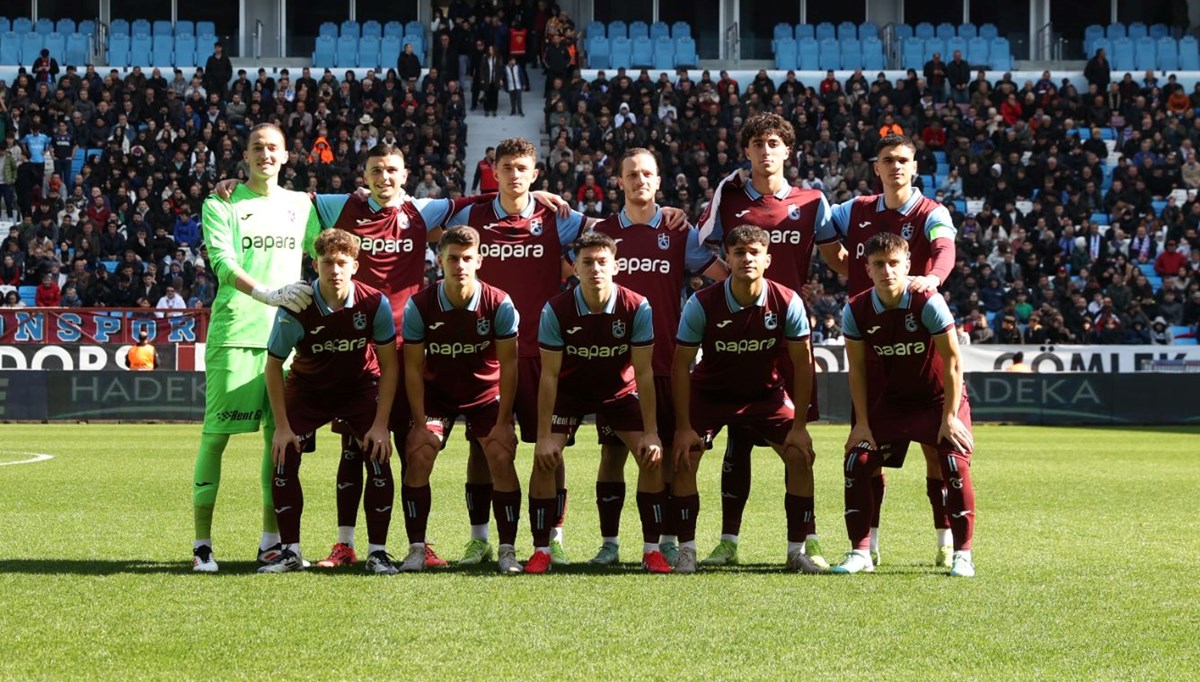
[[829, 226]]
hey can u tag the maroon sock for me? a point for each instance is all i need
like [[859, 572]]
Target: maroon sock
[[878, 485], [689, 509], [288, 497], [541, 519], [735, 480], [560, 514], [651, 509], [936, 491], [507, 508], [417, 502], [349, 481], [479, 502], [801, 519], [670, 513], [860, 494], [960, 499], [380, 496], [610, 499]]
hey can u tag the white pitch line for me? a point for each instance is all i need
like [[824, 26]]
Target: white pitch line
[[37, 457]]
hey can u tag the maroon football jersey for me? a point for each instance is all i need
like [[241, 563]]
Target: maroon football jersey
[[903, 367], [868, 217], [596, 347]]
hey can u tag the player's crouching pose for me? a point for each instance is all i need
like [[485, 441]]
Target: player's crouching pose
[[345, 368], [460, 358], [906, 382], [597, 344], [741, 324]]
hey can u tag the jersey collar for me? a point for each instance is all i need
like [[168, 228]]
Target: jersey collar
[[755, 195], [502, 214], [655, 221], [734, 306], [905, 301], [446, 305], [581, 306], [323, 307], [904, 209]]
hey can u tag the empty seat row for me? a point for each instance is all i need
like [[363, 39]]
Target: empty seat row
[[144, 50], [638, 29], [847, 30], [124, 27], [1118, 30], [23, 25], [994, 54], [370, 29], [810, 55], [25, 48], [1163, 54], [366, 52], [946, 30], [663, 53]]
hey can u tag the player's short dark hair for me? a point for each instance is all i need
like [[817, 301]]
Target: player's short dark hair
[[336, 242], [462, 235], [762, 125], [634, 151], [894, 140], [747, 234], [594, 240], [516, 147], [385, 149], [886, 242], [267, 126]]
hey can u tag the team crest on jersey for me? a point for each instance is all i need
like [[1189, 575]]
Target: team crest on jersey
[[664, 241], [771, 320], [906, 231], [535, 227], [619, 329], [793, 212], [402, 221], [483, 326], [292, 217], [360, 320], [910, 322]]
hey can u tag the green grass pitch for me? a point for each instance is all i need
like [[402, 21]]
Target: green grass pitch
[[1086, 546]]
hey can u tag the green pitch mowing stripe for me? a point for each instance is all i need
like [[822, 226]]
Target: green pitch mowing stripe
[[1086, 549]]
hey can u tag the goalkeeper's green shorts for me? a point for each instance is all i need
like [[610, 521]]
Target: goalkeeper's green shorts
[[235, 395]]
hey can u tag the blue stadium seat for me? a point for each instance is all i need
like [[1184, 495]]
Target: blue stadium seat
[[903, 32], [787, 54], [934, 45], [347, 51], [659, 29], [622, 51], [185, 27], [977, 51], [1168, 54], [924, 31], [5, 25], [681, 29], [825, 30], [1159, 31], [1158, 205], [1000, 54], [87, 27], [31, 46], [10, 48], [28, 294], [1189, 54], [396, 29], [163, 50], [989, 31], [110, 265], [418, 43], [643, 52], [1137, 30], [324, 54], [945, 30], [685, 52], [852, 53], [1106, 45], [1114, 31], [44, 26], [118, 27], [617, 29], [350, 28], [594, 29], [140, 27], [953, 44], [77, 49], [328, 28], [1145, 55], [118, 49], [847, 30], [867, 29], [162, 27], [22, 25], [968, 30], [1090, 35], [912, 54], [57, 44], [810, 54], [369, 51], [372, 29], [140, 48], [872, 49], [185, 49], [204, 45], [782, 32], [830, 54], [389, 51], [664, 53], [64, 26], [638, 29], [414, 26], [206, 28], [599, 53], [805, 31]]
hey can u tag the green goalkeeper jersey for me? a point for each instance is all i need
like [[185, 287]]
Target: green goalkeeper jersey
[[265, 237]]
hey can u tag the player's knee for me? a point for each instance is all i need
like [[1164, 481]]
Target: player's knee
[[860, 465]]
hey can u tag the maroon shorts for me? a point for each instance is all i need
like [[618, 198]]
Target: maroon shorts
[[440, 418], [787, 370], [529, 378], [665, 418], [308, 412], [897, 424], [620, 414], [769, 418]]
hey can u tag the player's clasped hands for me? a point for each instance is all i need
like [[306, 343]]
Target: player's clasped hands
[[688, 448], [284, 440], [957, 433], [547, 454]]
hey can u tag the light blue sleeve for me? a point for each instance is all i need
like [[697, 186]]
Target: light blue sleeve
[[549, 330], [433, 211], [717, 236], [643, 324], [508, 320], [285, 334], [796, 326], [936, 316], [329, 207], [940, 224], [849, 325], [823, 226], [461, 217], [691, 323], [384, 327], [696, 256], [413, 324], [839, 218], [568, 230]]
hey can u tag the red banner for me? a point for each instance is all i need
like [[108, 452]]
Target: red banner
[[101, 325]]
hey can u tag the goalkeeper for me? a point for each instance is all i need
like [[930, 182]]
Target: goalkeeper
[[256, 245]]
